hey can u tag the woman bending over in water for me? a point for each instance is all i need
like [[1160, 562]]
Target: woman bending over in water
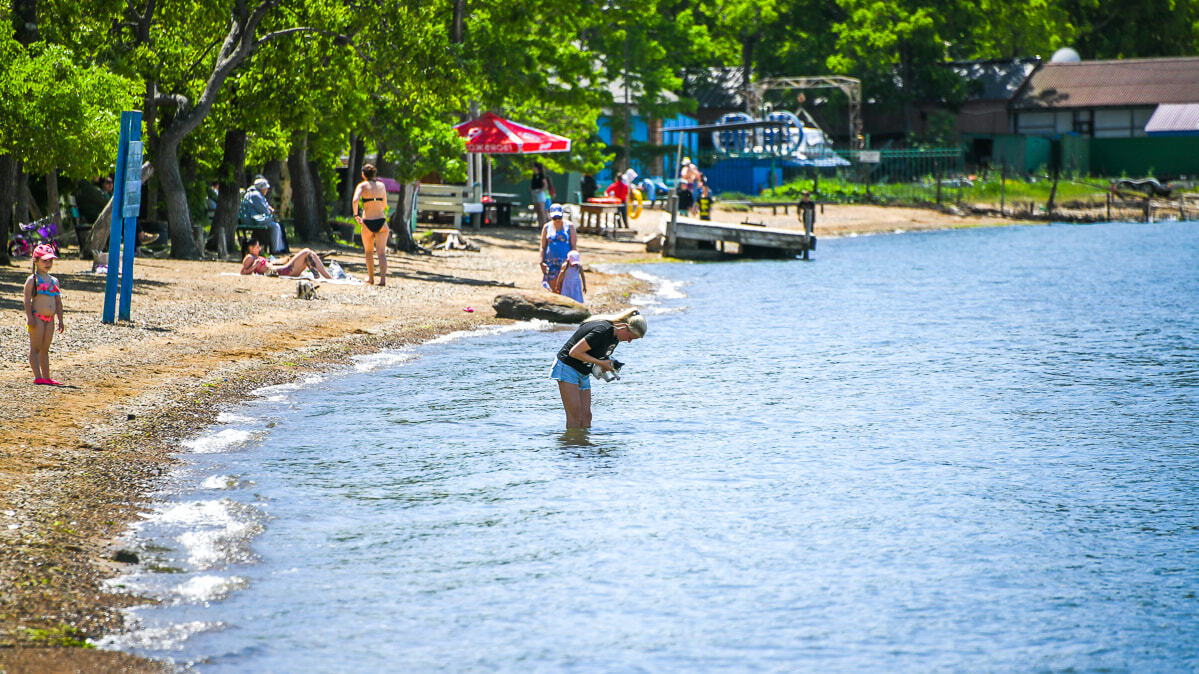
[[254, 263], [592, 344]]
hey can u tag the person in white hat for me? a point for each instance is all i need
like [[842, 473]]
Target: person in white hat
[[260, 208], [557, 240]]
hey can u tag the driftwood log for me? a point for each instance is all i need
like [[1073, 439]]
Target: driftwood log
[[543, 305]]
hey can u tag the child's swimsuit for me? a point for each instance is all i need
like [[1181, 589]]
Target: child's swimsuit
[[48, 288]]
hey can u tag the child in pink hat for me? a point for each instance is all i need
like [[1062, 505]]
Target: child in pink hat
[[43, 302], [571, 281]]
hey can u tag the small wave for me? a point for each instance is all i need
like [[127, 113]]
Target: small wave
[[376, 361], [169, 637], [664, 290], [213, 532], [488, 330], [220, 441], [219, 482], [208, 588], [230, 418], [277, 391]]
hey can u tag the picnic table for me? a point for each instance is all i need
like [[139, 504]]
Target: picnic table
[[600, 218]]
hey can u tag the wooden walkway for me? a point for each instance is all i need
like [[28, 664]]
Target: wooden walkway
[[701, 239]]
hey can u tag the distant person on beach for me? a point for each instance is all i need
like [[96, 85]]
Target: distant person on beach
[[591, 344], [43, 303], [254, 263], [621, 189], [370, 210], [256, 202], [557, 240], [542, 190], [689, 178], [587, 187], [805, 210], [571, 281]]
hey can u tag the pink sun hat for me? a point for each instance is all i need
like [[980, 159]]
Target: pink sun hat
[[573, 256], [44, 252]]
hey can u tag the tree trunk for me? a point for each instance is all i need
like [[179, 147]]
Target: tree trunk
[[318, 195], [232, 174], [8, 184], [273, 172], [103, 224], [354, 168], [52, 208], [400, 222], [303, 198], [24, 201], [179, 220], [150, 142]]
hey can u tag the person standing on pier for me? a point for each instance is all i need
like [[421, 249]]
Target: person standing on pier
[[806, 211]]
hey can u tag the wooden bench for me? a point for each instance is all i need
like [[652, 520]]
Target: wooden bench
[[452, 199]]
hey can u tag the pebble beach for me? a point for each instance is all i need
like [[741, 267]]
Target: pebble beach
[[77, 463]]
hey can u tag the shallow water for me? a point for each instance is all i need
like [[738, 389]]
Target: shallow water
[[972, 449]]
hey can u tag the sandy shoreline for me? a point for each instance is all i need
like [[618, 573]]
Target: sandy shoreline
[[76, 464]]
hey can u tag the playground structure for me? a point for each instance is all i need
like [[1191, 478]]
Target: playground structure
[[850, 86]]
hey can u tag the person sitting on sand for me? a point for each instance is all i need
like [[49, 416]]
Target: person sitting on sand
[[254, 263], [592, 344]]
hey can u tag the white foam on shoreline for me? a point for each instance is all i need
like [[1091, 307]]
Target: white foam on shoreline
[[230, 418], [219, 482], [169, 637], [488, 330], [208, 588], [212, 532], [220, 441], [279, 392], [375, 361]]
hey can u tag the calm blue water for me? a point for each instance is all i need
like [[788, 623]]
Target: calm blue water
[[965, 450]]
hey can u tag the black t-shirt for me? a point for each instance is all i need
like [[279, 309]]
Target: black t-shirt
[[537, 182], [601, 342]]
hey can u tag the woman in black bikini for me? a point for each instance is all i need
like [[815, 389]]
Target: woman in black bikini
[[370, 210]]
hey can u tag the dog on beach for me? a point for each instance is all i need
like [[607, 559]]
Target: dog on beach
[[305, 289]]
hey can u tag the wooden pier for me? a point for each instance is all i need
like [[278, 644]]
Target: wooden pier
[[702, 240]]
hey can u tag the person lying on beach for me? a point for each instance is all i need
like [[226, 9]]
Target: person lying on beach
[[254, 263], [591, 344]]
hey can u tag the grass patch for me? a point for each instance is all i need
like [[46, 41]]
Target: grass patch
[[62, 635]]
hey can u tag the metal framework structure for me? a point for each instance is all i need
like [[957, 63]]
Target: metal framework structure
[[852, 87]]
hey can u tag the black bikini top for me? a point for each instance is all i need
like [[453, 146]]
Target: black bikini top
[[372, 198]]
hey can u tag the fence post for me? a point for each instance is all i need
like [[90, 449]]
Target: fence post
[[1002, 189], [1109, 206], [938, 174]]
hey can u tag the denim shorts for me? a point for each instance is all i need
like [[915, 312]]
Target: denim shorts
[[567, 374]]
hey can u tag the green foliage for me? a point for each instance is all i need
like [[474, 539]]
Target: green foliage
[[57, 113], [63, 636]]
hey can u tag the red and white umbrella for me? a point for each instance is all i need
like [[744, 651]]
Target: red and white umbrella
[[492, 134]]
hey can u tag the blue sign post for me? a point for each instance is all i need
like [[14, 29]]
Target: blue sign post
[[126, 205]]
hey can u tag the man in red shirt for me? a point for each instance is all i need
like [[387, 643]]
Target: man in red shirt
[[620, 189]]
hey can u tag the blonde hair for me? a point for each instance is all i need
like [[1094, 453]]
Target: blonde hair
[[630, 317]]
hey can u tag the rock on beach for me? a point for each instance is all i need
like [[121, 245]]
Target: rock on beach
[[546, 306]]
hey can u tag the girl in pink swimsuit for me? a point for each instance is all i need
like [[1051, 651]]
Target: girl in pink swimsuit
[[43, 302]]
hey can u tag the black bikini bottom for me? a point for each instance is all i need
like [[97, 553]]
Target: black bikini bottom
[[375, 225]]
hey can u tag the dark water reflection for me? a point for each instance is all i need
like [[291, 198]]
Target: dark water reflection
[[960, 450]]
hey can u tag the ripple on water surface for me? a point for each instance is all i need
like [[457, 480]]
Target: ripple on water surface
[[936, 451]]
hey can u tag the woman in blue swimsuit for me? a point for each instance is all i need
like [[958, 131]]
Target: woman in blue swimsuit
[[557, 240]]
